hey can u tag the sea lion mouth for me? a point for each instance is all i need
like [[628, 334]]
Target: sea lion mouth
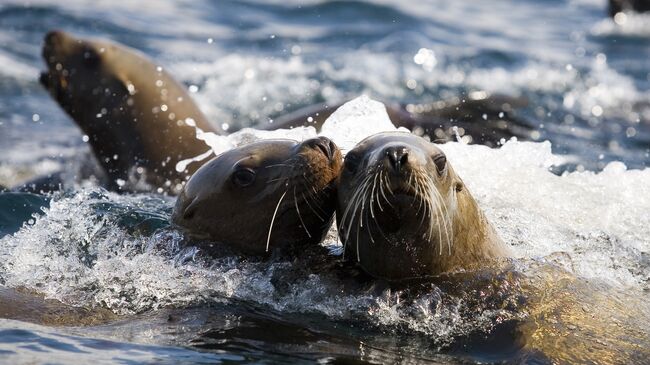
[[44, 79]]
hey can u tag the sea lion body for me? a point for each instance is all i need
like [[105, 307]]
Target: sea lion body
[[403, 213], [263, 195], [138, 119]]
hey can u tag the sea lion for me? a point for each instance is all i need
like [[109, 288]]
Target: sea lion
[[263, 195], [618, 6], [480, 117], [403, 213], [139, 121]]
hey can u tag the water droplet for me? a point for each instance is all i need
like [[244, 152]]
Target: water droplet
[[411, 84], [620, 18], [597, 110], [630, 132], [426, 58]]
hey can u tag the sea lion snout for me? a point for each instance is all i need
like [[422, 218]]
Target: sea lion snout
[[324, 145], [397, 157], [51, 44]]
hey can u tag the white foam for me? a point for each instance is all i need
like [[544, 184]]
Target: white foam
[[356, 120]]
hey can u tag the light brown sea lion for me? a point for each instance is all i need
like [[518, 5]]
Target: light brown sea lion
[[403, 213], [138, 119], [263, 195]]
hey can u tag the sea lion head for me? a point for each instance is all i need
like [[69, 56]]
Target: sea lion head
[[404, 213], [263, 195], [136, 116], [77, 75]]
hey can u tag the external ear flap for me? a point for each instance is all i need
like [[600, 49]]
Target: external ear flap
[[190, 210]]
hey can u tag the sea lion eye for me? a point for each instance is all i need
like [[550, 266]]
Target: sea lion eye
[[351, 162], [243, 177], [90, 58], [440, 161]]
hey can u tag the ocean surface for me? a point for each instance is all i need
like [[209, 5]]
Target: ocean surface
[[107, 280]]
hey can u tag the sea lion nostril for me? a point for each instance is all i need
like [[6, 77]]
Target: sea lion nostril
[[397, 156], [333, 148], [325, 145]]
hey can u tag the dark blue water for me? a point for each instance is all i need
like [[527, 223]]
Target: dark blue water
[[586, 77]]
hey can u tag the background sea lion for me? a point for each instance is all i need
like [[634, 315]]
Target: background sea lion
[[617, 6], [138, 119], [479, 116], [263, 195], [403, 213]]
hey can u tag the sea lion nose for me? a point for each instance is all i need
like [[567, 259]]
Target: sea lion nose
[[53, 36], [397, 157], [325, 145]]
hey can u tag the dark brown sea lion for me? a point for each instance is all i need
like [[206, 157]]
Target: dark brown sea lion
[[264, 195], [484, 118], [403, 213], [618, 6], [138, 119]]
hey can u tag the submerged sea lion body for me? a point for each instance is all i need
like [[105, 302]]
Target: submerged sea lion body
[[403, 213], [263, 195], [138, 119]]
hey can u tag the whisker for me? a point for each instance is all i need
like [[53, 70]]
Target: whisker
[[268, 239], [312, 208], [295, 201]]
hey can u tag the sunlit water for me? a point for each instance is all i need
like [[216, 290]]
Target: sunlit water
[[246, 63]]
